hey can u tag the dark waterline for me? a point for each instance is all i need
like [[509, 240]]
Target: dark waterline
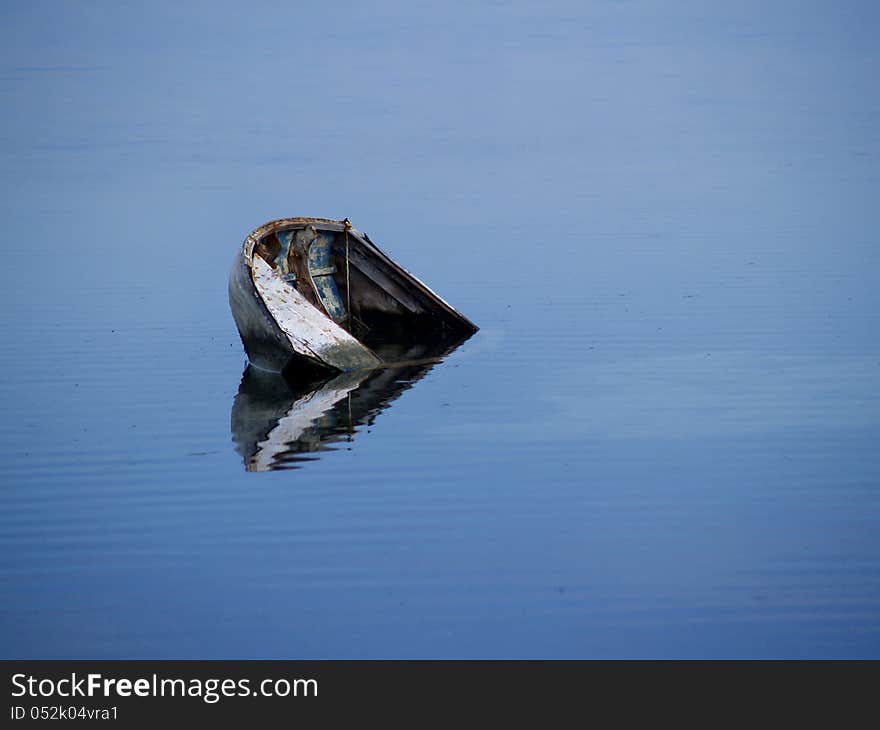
[[661, 443]]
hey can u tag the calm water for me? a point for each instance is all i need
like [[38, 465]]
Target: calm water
[[661, 443]]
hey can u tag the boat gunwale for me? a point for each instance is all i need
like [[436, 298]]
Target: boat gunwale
[[294, 223]]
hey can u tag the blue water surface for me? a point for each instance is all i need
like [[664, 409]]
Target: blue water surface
[[661, 443]]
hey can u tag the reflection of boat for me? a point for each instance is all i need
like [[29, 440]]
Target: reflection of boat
[[311, 296], [277, 423]]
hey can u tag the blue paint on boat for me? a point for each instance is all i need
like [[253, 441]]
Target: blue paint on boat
[[322, 270], [282, 259]]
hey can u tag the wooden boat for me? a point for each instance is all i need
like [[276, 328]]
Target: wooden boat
[[312, 296]]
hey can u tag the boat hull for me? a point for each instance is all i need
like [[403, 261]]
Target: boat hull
[[282, 330], [267, 347]]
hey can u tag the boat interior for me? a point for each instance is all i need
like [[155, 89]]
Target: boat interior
[[361, 290]]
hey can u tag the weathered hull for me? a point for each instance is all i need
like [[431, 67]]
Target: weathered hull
[[267, 347], [282, 330]]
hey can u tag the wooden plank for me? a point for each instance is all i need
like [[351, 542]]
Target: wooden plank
[[310, 332], [384, 280], [427, 297]]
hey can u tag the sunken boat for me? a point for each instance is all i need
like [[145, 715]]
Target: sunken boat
[[314, 296]]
